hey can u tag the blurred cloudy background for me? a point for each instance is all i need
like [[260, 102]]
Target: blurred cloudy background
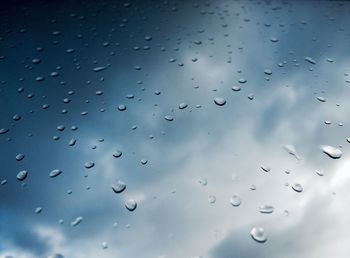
[[288, 64]]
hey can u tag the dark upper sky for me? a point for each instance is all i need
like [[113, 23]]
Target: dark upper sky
[[221, 118]]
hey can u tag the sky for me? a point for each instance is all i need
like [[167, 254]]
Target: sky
[[205, 101]]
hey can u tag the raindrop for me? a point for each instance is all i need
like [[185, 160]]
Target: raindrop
[[319, 172], [4, 130], [265, 168], [169, 118], [242, 80], [310, 60], [290, 149], [203, 181], [55, 173], [117, 154], [321, 99], [130, 204], [211, 199], [182, 105], [236, 88], [19, 156], [235, 201], [89, 164], [76, 222], [121, 107], [258, 234], [331, 151], [266, 209], [118, 187], [220, 101], [99, 69], [104, 245], [297, 187], [38, 210], [22, 175], [72, 142]]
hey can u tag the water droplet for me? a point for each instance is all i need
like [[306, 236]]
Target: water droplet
[[331, 151], [22, 175], [203, 181], [72, 142], [19, 156], [242, 80], [297, 187], [182, 105], [99, 69], [4, 130], [266, 209], [104, 245], [219, 101], [76, 222], [130, 204], [212, 199], [117, 154], [121, 107], [236, 88], [265, 168], [290, 149], [319, 172], [89, 164], [118, 187], [258, 234], [144, 161], [169, 118], [235, 201], [310, 60], [267, 71], [38, 210], [321, 99], [55, 172]]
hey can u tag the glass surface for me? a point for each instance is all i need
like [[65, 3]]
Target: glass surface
[[174, 129]]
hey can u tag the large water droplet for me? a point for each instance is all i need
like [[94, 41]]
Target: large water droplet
[[118, 187], [219, 101], [331, 151], [89, 164], [22, 175], [258, 234], [297, 187], [130, 204]]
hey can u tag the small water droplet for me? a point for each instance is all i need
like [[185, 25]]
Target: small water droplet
[[265, 168], [211, 199], [76, 221], [38, 210], [266, 209], [55, 173], [235, 201]]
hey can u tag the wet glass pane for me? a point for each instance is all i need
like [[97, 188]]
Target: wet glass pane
[[174, 129]]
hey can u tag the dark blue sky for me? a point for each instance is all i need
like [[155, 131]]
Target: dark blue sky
[[152, 56]]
